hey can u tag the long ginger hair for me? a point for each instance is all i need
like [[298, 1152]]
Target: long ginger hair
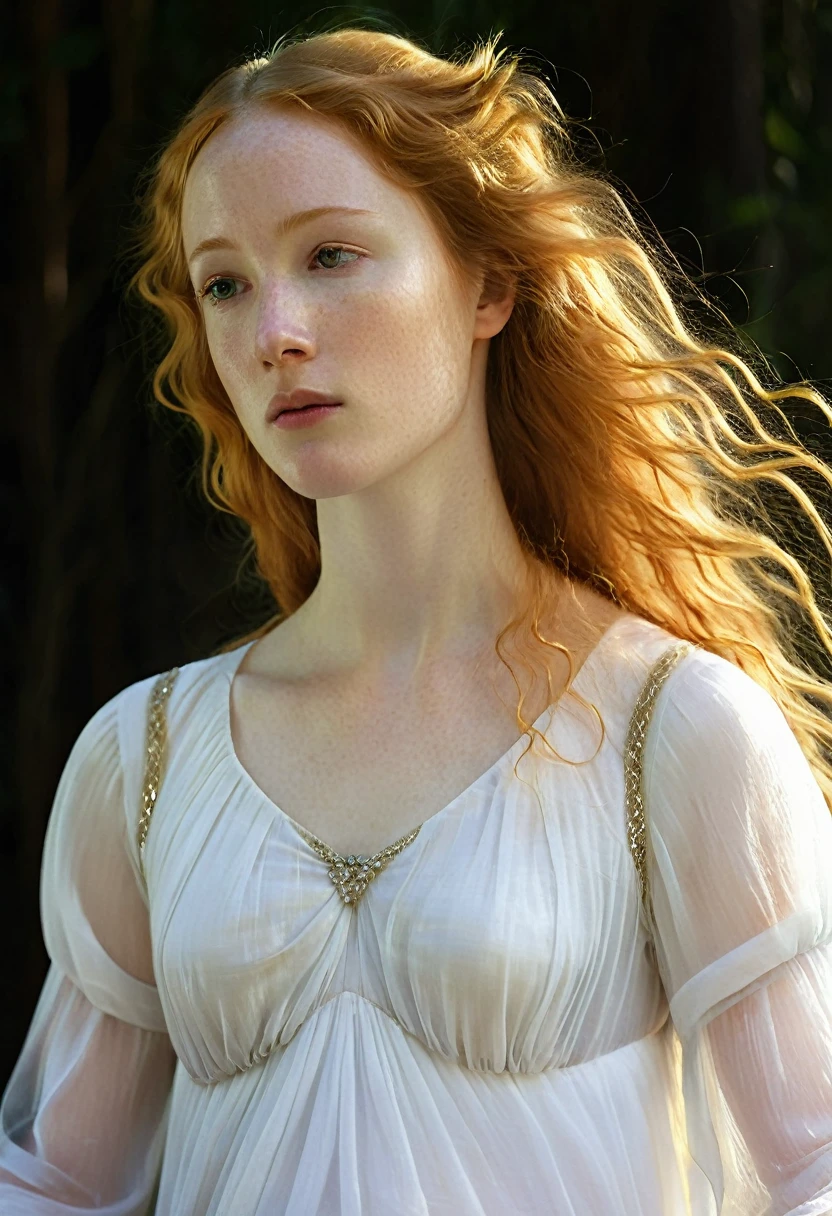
[[627, 432]]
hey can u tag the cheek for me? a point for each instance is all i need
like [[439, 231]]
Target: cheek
[[234, 372], [226, 349], [414, 334]]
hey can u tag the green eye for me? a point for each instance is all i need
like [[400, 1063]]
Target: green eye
[[217, 282], [336, 249]]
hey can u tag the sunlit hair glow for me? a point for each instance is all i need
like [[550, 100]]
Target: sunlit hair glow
[[628, 434]]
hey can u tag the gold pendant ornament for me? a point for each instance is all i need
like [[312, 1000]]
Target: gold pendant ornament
[[352, 875]]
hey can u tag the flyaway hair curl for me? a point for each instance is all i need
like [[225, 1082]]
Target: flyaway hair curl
[[632, 441]]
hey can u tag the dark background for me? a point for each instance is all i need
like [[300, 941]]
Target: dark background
[[715, 116]]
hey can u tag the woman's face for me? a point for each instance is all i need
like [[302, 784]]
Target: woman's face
[[358, 303]]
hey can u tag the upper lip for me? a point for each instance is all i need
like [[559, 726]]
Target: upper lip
[[295, 400]]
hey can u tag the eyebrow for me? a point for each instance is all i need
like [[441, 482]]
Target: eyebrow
[[281, 229]]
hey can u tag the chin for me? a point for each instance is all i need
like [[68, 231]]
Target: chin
[[319, 478]]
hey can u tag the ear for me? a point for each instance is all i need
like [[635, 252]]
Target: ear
[[495, 306]]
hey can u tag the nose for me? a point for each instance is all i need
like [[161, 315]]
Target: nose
[[281, 333]]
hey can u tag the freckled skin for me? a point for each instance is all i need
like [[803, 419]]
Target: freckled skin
[[419, 554], [388, 333]]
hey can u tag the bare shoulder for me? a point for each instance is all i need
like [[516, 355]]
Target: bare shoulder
[[581, 618]]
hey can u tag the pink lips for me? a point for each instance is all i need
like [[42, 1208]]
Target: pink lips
[[298, 398], [293, 419]]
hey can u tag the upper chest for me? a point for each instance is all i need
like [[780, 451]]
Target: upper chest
[[359, 768], [360, 771]]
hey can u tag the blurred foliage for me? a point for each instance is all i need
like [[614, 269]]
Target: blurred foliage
[[715, 119]]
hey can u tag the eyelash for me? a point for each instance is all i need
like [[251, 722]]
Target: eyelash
[[222, 278]]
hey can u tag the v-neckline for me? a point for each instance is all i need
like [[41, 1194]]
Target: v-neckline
[[226, 685]]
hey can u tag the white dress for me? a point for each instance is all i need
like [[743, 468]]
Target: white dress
[[485, 1033]]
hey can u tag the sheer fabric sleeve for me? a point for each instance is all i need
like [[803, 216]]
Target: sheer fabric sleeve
[[740, 866], [82, 1119]]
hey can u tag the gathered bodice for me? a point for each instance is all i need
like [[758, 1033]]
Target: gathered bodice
[[485, 970]]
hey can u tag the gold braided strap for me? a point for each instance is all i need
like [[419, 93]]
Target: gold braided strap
[[633, 752], [155, 753]]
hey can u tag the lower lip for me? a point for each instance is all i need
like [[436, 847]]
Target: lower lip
[[290, 420]]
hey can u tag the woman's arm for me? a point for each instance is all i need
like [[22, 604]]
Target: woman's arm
[[82, 1120], [740, 864]]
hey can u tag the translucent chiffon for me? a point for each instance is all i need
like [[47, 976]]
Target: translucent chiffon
[[488, 1031]]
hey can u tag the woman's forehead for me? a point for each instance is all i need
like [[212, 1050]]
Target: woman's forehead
[[277, 165], [294, 144]]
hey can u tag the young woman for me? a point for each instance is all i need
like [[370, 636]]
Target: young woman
[[522, 438]]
